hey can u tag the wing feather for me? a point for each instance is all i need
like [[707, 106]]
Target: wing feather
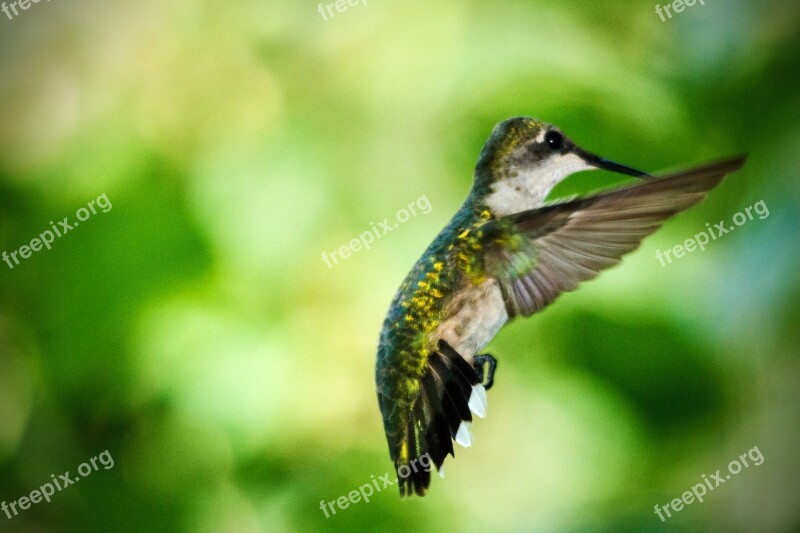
[[574, 241]]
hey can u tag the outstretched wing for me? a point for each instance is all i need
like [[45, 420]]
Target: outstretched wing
[[538, 254]]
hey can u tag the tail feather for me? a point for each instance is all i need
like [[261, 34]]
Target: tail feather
[[449, 391], [440, 435], [454, 387]]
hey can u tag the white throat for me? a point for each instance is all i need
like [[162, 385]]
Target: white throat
[[527, 188]]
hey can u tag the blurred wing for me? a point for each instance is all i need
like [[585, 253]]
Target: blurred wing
[[538, 254]]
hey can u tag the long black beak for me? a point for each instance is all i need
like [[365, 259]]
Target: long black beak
[[600, 162]]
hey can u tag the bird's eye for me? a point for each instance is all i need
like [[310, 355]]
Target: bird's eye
[[554, 139]]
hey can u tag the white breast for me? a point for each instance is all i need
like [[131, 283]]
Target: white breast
[[474, 318]]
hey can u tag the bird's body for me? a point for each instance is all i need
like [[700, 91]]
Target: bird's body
[[503, 254], [451, 303], [437, 301]]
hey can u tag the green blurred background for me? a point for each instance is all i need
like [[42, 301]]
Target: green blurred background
[[195, 332]]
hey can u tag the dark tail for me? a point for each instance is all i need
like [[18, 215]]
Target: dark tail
[[450, 391]]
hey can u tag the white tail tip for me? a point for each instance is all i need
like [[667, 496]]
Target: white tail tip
[[477, 401], [463, 436]]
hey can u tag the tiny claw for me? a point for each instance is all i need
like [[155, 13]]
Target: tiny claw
[[479, 363]]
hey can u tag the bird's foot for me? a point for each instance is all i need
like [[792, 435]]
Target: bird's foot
[[480, 363]]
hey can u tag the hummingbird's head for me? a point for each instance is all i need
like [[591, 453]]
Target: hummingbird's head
[[525, 158]]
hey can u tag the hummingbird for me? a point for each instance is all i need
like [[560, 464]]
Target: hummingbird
[[505, 253]]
